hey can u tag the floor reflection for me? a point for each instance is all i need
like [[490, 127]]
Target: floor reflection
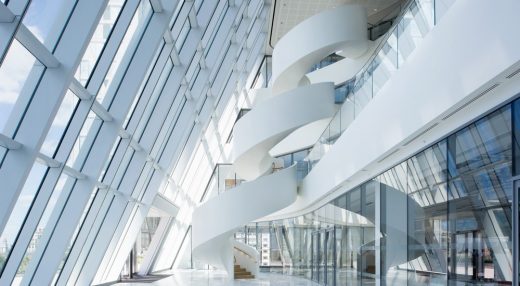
[[218, 278]]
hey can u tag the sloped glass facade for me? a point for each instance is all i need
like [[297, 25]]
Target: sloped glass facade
[[114, 119], [102, 104]]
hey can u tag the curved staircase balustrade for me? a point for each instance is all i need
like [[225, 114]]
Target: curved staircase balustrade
[[215, 221], [274, 119], [290, 103], [341, 29]]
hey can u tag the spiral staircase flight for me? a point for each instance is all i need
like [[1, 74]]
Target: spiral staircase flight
[[290, 103]]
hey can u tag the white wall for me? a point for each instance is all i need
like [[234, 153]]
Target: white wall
[[470, 49]]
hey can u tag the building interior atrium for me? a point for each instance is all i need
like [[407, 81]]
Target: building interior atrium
[[259, 142]]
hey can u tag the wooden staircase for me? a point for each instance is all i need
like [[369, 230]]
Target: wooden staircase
[[242, 273]]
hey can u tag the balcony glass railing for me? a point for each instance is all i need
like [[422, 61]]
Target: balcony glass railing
[[330, 59], [298, 158], [414, 23], [224, 177]]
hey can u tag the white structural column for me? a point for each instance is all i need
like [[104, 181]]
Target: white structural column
[[87, 267], [404, 213], [288, 104], [139, 102], [35, 124], [10, 19]]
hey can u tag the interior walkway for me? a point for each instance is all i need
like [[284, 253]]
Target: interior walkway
[[218, 278]]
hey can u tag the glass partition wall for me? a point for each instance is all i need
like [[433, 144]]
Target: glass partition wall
[[443, 216]]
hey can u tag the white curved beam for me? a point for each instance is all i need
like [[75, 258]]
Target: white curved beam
[[343, 28], [214, 222], [274, 119]]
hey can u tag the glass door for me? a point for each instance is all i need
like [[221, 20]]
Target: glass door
[[315, 244], [474, 258], [330, 266], [461, 254], [322, 258]]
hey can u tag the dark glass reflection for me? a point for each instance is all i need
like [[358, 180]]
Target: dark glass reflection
[[441, 217], [480, 157]]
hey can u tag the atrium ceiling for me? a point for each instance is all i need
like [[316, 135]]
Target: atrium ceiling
[[288, 13]]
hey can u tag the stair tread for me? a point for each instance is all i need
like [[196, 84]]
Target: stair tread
[[245, 277], [242, 273]]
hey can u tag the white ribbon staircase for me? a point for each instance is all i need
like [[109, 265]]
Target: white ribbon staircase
[[290, 103]]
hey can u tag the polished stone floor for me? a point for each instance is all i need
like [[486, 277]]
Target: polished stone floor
[[217, 278]]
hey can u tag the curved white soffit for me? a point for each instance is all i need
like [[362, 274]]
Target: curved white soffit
[[302, 138], [243, 204], [259, 95], [344, 69], [218, 252], [272, 120], [247, 257], [315, 38], [340, 216]]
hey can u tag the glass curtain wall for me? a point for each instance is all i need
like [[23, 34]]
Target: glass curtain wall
[[445, 217]]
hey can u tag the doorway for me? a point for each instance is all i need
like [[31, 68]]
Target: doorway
[[323, 256], [473, 259]]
